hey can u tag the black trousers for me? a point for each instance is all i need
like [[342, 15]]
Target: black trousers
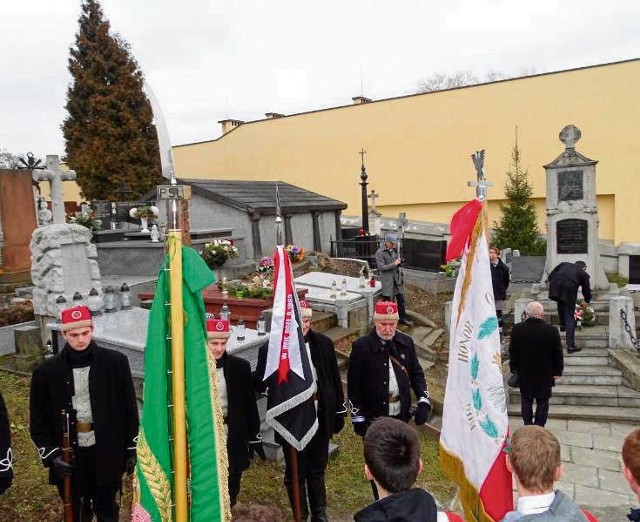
[[312, 465], [566, 315], [234, 486], [526, 410], [402, 307], [87, 495]]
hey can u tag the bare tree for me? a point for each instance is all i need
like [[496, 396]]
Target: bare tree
[[9, 160]]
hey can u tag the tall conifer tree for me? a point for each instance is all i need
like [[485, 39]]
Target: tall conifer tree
[[517, 227], [110, 138]]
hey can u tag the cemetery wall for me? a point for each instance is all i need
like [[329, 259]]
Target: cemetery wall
[[419, 145]]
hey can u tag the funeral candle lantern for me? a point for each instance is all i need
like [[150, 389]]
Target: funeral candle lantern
[[94, 302], [109, 300], [125, 296], [225, 313], [61, 303], [261, 325], [240, 329]]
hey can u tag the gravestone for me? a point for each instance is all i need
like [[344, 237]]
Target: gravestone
[[18, 218], [422, 254], [634, 270], [55, 176], [572, 212], [527, 269]]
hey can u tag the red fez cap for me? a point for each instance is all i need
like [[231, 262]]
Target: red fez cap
[[305, 309], [218, 329], [76, 317], [386, 311]]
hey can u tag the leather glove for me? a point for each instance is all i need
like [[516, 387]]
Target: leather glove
[[61, 468], [255, 448], [131, 464], [4, 484], [338, 424], [422, 413], [360, 428]]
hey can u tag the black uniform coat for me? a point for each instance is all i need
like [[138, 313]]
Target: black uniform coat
[[368, 375], [323, 357], [564, 281], [113, 406], [500, 280], [535, 352], [6, 469], [243, 421]]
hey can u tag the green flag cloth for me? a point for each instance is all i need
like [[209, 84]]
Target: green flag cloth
[[207, 451]]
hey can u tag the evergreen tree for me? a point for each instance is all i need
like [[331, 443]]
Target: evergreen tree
[[110, 138], [517, 227]]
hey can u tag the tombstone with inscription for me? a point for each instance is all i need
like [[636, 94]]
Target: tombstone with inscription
[[572, 212]]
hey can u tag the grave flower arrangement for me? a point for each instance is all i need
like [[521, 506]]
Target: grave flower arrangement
[[258, 286], [450, 269], [265, 265], [86, 219], [584, 314], [145, 211], [216, 253], [296, 253]]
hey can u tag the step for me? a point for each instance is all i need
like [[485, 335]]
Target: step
[[589, 395], [432, 337], [342, 338], [321, 321], [591, 413], [587, 357], [592, 375]]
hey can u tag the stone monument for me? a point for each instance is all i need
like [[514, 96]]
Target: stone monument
[[572, 212]]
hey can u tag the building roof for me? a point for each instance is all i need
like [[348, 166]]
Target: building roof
[[260, 196]]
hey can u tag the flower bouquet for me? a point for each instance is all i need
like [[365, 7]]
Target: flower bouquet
[[86, 219], [216, 253], [584, 314], [145, 211], [265, 265], [296, 253]]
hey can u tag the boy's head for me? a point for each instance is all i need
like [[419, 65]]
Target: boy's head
[[631, 460], [534, 457], [392, 454]]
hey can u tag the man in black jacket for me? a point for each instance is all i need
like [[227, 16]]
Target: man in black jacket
[[312, 461], [564, 281], [383, 368], [535, 353], [6, 457], [94, 386], [500, 282], [239, 409]]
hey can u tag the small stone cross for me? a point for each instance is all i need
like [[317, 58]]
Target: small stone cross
[[373, 196], [481, 182], [55, 177], [570, 135]]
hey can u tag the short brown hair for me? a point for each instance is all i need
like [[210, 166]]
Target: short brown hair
[[535, 457], [495, 247], [631, 454], [392, 453]]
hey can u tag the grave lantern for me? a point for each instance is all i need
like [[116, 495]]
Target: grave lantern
[[61, 303], [261, 324], [225, 313], [334, 289], [240, 329], [125, 297], [110, 300], [78, 300], [343, 287], [94, 302]]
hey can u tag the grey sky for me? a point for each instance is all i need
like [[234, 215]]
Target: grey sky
[[212, 59]]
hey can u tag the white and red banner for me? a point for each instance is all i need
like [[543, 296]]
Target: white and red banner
[[290, 410], [475, 425]]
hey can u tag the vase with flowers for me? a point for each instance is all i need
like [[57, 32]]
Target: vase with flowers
[[144, 213], [217, 252], [296, 253]]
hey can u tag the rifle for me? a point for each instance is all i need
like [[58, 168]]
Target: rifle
[[402, 223], [66, 455]]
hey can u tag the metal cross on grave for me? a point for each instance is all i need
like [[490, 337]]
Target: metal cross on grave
[[373, 196], [55, 176], [481, 182]]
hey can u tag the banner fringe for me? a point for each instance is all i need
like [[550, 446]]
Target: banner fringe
[[472, 505]]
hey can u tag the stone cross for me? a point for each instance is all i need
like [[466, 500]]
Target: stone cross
[[570, 135], [373, 196], [481, 182], [55, 177]]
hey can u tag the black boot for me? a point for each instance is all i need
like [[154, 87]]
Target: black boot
[[318, 501]]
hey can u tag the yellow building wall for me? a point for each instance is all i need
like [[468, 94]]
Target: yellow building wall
[[418, 147]]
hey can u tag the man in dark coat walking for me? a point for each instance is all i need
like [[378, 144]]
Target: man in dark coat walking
[[535, 353], [239, 409], [312, 461], [500, 282], [564, 281], [388, 263], [6, 457], [94, 386]]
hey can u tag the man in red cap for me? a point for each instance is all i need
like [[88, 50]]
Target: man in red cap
[[94, 385], [312, 461], [239, 409], [383, 368]]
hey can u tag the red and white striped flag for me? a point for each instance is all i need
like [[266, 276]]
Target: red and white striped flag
[[475, 426], [290, 408]]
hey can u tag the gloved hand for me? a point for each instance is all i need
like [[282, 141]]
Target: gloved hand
[[338, 423], [4, 484], [255, 448], [61, 468], [131, 464], [360, 428], [422, 413]]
